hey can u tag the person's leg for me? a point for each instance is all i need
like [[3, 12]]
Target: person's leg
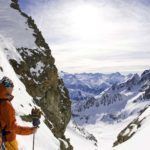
[[13, 145], [0, 142]]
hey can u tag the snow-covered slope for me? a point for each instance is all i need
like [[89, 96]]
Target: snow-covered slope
[[83, 86], [80, 138], [140, 138], [23, 103], [14, 27]]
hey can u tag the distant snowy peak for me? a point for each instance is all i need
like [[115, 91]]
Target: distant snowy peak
[[83, 86], [145, 75], [127, 85]]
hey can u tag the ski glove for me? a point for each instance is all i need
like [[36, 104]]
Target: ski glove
[[36, 115]]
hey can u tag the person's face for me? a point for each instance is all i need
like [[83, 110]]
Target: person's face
[[9, 92]]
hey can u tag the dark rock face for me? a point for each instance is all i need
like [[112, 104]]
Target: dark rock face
[[43, 83], [122, 137]]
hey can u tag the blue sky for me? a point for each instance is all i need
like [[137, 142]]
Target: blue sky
[[95, 35]]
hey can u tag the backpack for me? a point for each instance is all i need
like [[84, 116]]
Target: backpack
[[2, 131]]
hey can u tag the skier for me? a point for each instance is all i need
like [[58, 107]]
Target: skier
[[8, 125]]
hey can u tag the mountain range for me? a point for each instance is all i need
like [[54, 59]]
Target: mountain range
[[82, 86]]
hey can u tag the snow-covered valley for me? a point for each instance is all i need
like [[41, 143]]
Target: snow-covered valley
[[105, 116]]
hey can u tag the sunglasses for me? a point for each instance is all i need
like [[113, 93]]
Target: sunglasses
[[8, 84]]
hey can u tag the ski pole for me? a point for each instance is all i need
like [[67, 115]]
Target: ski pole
[[36, 114], [3, 146], [33, 141]]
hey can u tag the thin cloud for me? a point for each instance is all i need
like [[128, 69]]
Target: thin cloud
[[118, 41]]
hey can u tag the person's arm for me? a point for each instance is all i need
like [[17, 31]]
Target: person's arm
[[11, 122], [25, 130]]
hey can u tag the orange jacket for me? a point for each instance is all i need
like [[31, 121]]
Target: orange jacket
[[8, 119]]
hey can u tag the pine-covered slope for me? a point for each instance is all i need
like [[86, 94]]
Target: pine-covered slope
[[30, 56]]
